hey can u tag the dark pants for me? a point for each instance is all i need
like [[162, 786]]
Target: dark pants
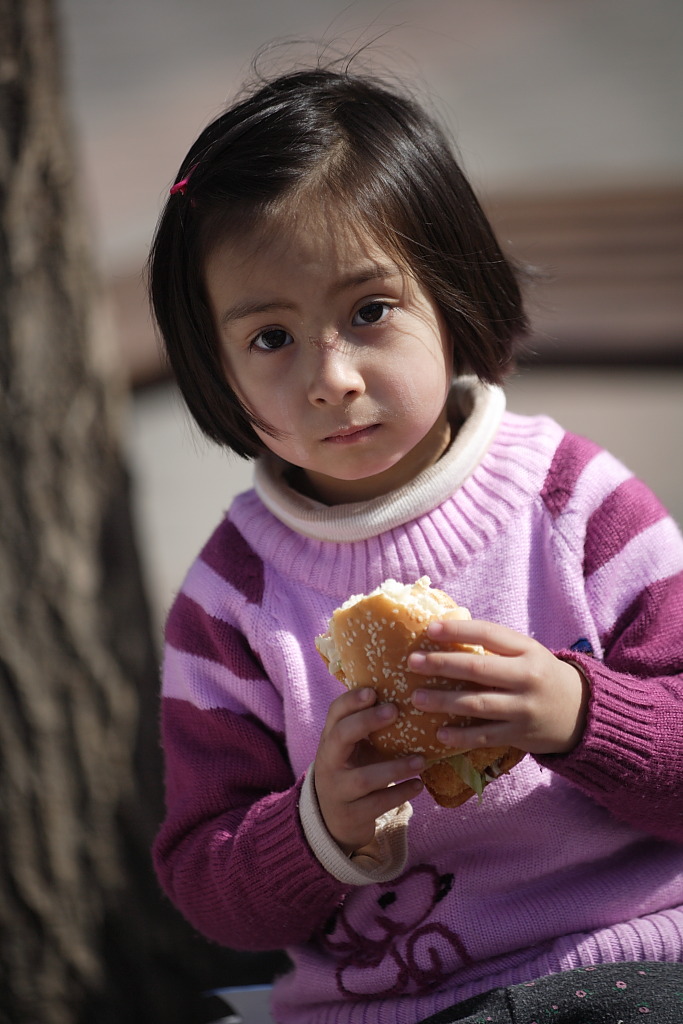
[[647, 993]]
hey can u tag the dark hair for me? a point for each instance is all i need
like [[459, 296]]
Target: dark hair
[[372, 150]]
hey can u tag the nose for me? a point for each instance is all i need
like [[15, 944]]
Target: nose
[[335, 376]]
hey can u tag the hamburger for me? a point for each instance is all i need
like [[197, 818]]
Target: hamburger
[[368, 641]]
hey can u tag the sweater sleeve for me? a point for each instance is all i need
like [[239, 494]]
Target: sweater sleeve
[[630, 758], [231, 853]]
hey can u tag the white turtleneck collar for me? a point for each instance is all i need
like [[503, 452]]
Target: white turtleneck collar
[[480, 406]]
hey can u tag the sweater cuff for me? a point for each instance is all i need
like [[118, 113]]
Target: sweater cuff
[[619, 737], [382, 862]]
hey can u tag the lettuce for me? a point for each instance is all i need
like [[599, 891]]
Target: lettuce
[[463, 767]]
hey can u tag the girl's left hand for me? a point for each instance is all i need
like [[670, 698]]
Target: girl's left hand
[[518, 695]]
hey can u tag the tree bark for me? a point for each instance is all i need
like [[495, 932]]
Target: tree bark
[[86, 934]]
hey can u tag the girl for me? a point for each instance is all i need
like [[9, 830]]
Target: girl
[[335, 305]]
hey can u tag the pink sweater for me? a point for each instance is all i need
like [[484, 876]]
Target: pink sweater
[[568, 861]]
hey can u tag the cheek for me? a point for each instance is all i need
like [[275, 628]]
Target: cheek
[[273, 404], [263, 397], [275, 409], [287, 446], [424, 382]]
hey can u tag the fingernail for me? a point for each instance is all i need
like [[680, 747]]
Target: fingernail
[[416, 763], [366, 694], [418, 697], [416, 660], [435, 629], [386, 711]]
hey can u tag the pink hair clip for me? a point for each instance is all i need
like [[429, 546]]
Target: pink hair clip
[[180, 187]]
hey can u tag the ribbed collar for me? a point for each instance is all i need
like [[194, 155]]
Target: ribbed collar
[[482, 408]]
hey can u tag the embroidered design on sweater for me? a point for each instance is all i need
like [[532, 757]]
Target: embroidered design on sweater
[[583, 646], [398, 949]]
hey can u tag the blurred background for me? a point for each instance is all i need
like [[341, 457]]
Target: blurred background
[[567, 117]]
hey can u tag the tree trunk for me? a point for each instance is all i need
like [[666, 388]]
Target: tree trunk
[[86, 935]]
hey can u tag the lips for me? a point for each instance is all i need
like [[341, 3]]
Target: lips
[[353, 433]]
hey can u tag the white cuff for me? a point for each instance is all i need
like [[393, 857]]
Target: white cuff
[[389, 850]]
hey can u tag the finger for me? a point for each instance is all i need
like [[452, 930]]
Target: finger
[[343, 732], [471, 737], [351, 703], [353, 798], [362, 781], [492, 636], [348, 703], [383, 800], [456, 665], [482, 704], [481, 670], [352, 822]]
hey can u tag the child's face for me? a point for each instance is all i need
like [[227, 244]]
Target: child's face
[[329, 342]]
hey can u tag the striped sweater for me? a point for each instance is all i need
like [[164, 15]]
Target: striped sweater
[[569, 860]]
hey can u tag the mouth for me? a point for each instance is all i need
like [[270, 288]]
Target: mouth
[[351, 435]]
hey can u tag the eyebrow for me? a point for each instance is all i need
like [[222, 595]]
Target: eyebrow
[[377, 272], [250, 307]]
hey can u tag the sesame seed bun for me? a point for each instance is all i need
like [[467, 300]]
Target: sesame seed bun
[[368, 642]]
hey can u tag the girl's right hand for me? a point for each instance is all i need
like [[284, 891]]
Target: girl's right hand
[[353, 782]]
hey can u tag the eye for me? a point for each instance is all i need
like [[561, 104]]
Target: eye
[[271, 339], [371, 313]]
